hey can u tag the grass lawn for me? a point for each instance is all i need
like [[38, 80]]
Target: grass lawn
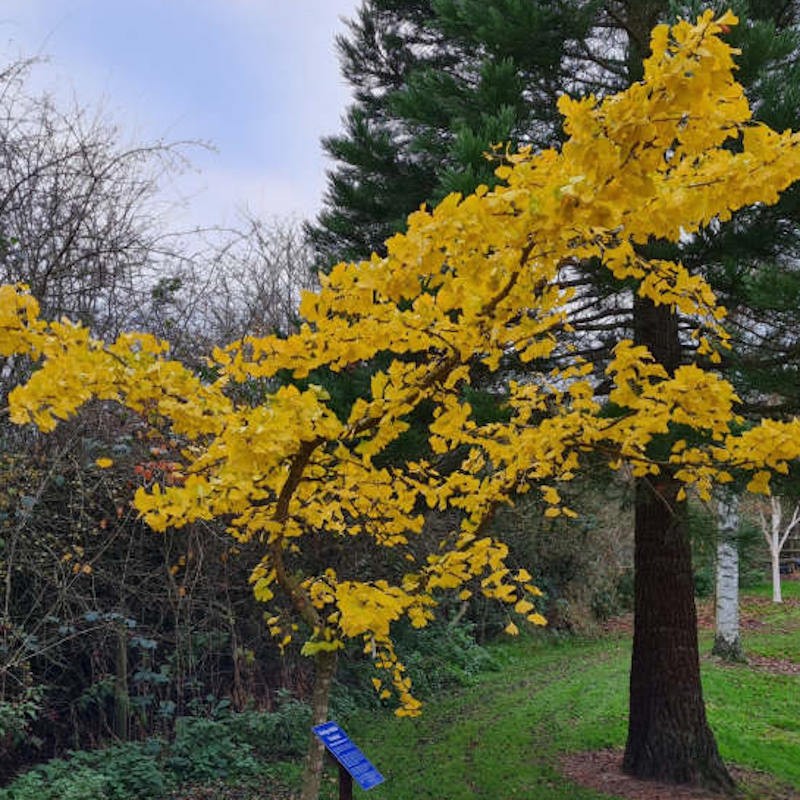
[[503, 737], [790, 590], [772, 629]]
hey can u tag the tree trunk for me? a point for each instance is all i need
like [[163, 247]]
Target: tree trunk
[[727, 642], [668, 736], [325, 669], [775, 555], [776, 536]]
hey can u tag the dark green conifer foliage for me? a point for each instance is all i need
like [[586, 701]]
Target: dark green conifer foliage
[[438, 83], [754, 261]]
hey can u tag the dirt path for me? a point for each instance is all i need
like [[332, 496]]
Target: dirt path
[[601, 770]]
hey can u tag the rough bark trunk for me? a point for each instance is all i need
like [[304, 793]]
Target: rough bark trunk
[[325, 669], [727, 642], [668, 736]]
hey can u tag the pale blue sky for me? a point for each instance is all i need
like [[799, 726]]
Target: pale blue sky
[[258, 79]]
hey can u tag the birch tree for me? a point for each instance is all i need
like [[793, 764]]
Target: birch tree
[[727, 642], [776, 532]]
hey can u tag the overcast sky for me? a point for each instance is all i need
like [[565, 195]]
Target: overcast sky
[[258, 79]]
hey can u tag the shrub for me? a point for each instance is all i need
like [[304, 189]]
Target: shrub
[[581, 565], [282, 733], [232, 747], [443, 657], [203, 751], [17, 717], [235, 746], [122, 772]]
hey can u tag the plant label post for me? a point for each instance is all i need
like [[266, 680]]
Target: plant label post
[[352, 762]]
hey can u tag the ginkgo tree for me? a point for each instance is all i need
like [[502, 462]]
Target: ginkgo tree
[[472, 281]]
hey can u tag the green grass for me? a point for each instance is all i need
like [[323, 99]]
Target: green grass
[[768, 629], [756, 717], [774, 645], [777, 630], [503, 737], [755, 713], [790, 589]]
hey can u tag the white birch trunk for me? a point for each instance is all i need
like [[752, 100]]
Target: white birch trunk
[[727, 642], [777, 596], [776, 537]]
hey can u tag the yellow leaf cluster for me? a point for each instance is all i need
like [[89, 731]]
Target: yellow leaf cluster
[[472, 281]]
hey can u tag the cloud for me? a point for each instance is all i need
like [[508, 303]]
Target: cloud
[[257, 78], [217, 196]]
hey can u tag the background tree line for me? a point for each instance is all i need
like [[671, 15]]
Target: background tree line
[[105, 629]]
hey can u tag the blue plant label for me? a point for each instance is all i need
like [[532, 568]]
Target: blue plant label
[[348, 755]]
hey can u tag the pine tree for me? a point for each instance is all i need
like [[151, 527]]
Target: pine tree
[[436, 84], [441, 116]]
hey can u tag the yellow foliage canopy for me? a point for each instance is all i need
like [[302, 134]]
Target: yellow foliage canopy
[[472, 280]]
